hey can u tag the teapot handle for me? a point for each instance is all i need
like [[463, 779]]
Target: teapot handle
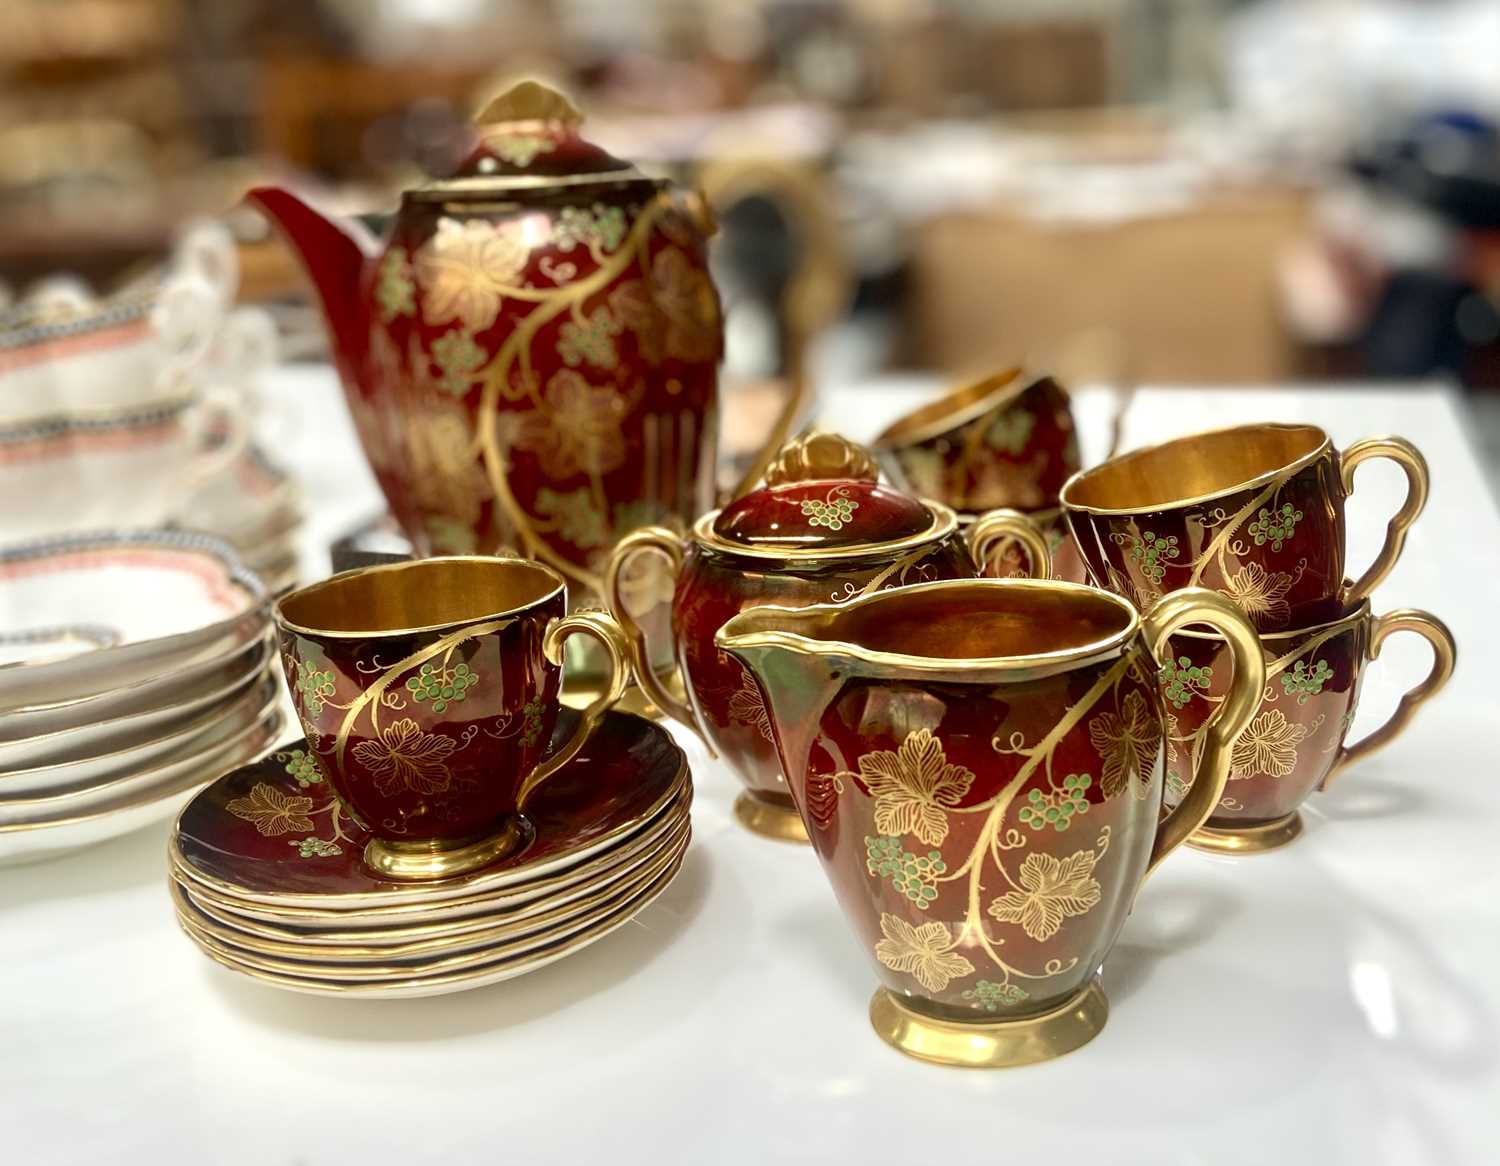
[[819, 288], [1171, 614], [663, 542]]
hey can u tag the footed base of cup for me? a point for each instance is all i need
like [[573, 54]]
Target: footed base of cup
[[1247, 839], [770, 819], [432, 859], [991, 1044]]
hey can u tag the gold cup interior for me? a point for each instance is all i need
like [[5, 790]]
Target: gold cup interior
[[984, 620], [421, 595], [956, 408], [1193, 467]]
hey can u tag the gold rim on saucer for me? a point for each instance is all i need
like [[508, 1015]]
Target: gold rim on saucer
[[998, 1044], [427, 894], [495, 938], [769, 819], [434, 985], [227, 755], [568, 888], [1249, 839]]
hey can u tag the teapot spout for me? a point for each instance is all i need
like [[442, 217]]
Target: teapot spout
[[798, 673], [333, 253]]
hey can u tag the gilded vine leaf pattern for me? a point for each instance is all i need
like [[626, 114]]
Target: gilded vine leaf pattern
[[579, 428], [445, 477], [924, 952], [402, 757], [464, 269], [913, 787], [913, 875], [1049, 890], [1303, 682], [747, 708], [394, 290], [458, 359], [688, 303], [1261, 594], [272, 812], [1128, 742], [1267, 747]]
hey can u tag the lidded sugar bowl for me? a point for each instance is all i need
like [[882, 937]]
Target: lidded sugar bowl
[[821, 529]]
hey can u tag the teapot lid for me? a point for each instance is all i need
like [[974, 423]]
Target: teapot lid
[[821, 500], [528, 139]]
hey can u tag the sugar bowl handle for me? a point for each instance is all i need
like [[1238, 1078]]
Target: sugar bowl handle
[[1414, 465], [604, 629], [993, 529], [1171, 613], [1444, 656], [669, 544]]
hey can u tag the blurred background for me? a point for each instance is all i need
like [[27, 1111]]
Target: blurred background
[[1123, 191]]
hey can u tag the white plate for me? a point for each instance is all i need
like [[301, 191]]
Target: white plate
[[45, 840], [32, 794], [144, 696], [172, 598], [91, 738]]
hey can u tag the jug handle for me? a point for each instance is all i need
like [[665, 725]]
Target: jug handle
[[993, 529], [1444, 656], [1171, 613], [664, 542], [819, 288]]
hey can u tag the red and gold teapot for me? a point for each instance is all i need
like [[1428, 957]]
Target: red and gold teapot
[[531, 355]]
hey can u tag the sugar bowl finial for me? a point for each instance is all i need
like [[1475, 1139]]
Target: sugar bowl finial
[[821, 457]]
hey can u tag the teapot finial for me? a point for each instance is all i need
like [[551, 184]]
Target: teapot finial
[[821, 457], [529, 101]]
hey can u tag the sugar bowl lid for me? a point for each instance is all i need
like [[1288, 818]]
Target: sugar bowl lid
[[821, 500], [528, 139]]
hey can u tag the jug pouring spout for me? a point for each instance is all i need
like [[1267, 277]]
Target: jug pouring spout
[[334, 255]]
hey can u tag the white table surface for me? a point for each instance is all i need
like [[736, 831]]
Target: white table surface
[[1334, 1002]]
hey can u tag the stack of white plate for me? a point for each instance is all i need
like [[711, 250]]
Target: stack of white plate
[[133, 668], [256, 508], [268, 878]]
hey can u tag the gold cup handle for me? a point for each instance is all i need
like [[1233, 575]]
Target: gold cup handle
[[819, 288], [1411, 461], [607, 632], [663, 542], [1444, 656], [993, 529], [1171, 614]]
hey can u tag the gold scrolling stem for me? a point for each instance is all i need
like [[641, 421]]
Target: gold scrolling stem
[[973, 866], [518, 345], [420, 656]]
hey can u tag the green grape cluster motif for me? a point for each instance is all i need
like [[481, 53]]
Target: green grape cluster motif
[[602, 224], [832, 513], [1056, 809], [1303, 681], [992, 996], [315, 847], [1184, 680], [442, 685], [459, 359], [1275, 526], [1151, 551], [1010, 432], [314, 687], [914, 875], [303, 767], [394, 290], [531, 722]]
